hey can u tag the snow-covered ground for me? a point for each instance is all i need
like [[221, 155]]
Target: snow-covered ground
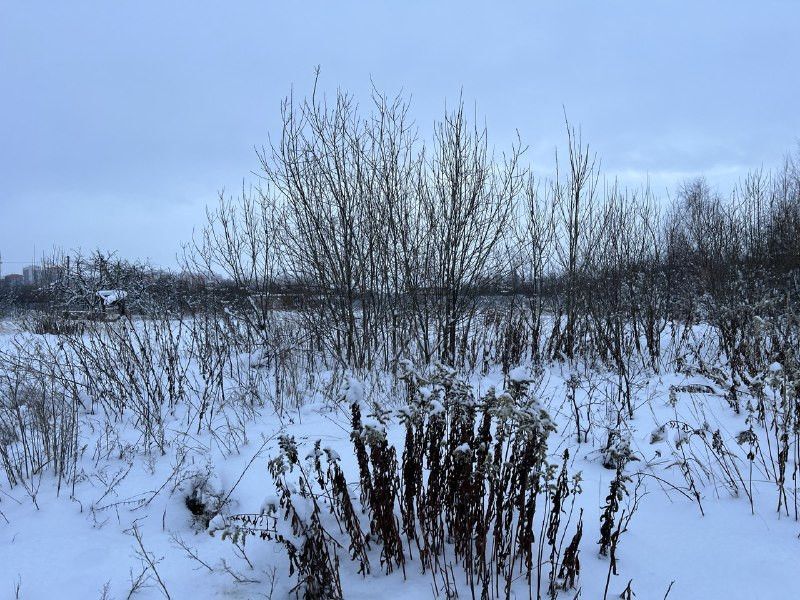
[[82, 543]]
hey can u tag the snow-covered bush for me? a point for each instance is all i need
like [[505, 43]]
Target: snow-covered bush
[[472, 475]]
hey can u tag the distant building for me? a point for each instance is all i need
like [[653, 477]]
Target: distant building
[[13, 279], [32, 274]]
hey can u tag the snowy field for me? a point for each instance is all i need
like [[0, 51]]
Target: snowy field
[[117, 524]]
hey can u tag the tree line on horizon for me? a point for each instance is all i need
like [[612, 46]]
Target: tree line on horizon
[[386, 243]]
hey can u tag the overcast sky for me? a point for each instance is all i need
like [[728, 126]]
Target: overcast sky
[[120, 120]]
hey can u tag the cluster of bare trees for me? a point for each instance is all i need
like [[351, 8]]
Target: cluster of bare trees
[[394, 245], [396, 242], [390, 237], [68, 285]]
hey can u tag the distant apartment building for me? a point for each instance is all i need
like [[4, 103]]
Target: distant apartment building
[[32, 274]]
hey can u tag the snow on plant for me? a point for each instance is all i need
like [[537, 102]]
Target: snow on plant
[[473, 479]]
